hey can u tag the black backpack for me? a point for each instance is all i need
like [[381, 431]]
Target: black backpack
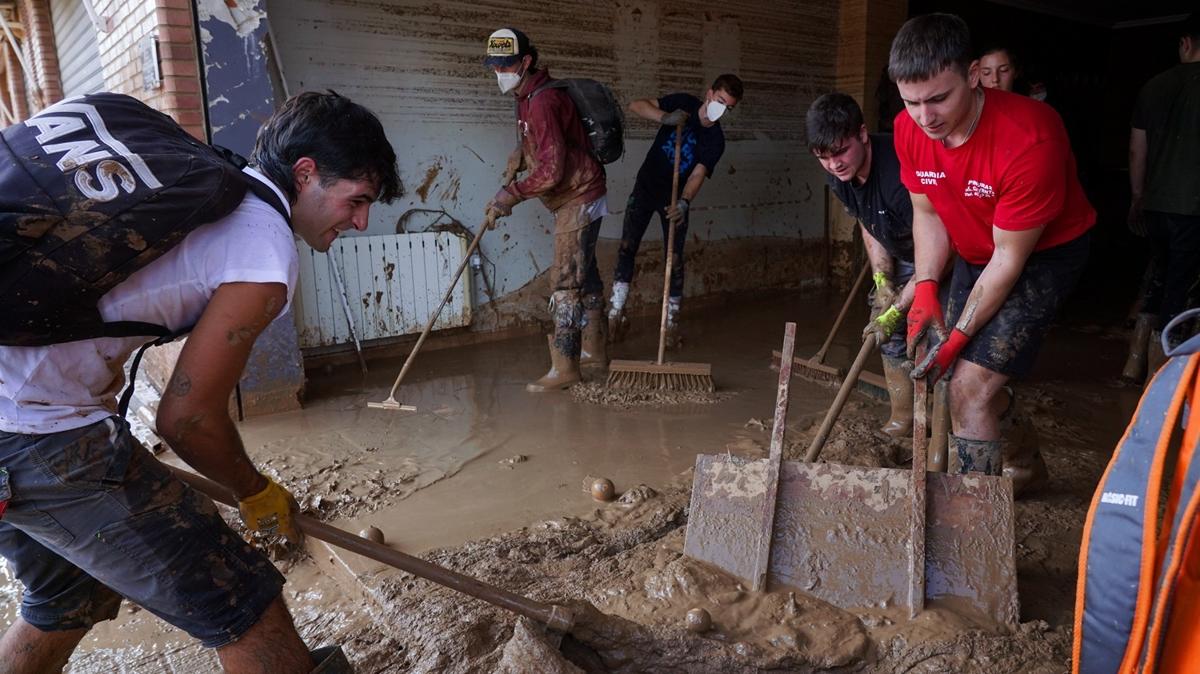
[[601, 115], [92, 189]]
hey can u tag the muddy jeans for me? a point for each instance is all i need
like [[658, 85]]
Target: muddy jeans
[[93, 516], [1175, 267], [575, 252], [638, 211]]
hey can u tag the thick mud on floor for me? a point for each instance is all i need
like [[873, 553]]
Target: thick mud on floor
[[485, 478]]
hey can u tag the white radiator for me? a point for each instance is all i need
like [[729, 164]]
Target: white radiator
[[393, 284]]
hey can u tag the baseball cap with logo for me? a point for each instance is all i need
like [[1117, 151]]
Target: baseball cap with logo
[[505, 47]]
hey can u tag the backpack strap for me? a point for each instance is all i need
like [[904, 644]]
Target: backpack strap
[[253, 184], [127, 395], [1177, 552], [1114, 594]]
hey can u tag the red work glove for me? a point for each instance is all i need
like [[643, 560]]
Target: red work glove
[[939, 359], [925, 311], [502, 204]]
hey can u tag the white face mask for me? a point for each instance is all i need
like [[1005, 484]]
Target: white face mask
[[714, 110], [508, 81]]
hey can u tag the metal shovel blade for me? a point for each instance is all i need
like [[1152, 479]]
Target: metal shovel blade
[[841, 533]]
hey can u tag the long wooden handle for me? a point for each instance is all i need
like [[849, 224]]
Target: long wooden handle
[[412, 355], [766, 529], [662, 324], [555, 617], [916, 553], [835, 410], [837, 323]]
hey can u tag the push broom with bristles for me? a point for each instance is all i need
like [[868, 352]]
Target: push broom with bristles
[[657, 375]]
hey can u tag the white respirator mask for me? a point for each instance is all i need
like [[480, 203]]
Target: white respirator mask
[[508, 81], [714, 110]]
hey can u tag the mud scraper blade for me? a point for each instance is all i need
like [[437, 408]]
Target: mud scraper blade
[[842, 533]]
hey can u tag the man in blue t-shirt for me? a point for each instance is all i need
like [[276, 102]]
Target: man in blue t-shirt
[[703, 145]]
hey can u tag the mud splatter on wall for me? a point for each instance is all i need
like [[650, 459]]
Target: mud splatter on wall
[[419, 66]]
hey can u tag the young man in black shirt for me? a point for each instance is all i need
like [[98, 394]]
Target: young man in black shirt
[[703, 145], [864, 175]]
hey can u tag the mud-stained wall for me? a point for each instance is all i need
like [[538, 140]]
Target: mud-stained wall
[[418, 66]]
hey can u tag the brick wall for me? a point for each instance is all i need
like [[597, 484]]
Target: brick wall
[[46, 84], [130, 22], [171, 22], [17, 94]]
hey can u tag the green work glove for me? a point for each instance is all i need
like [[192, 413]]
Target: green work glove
[[884, 324], [885, 292]]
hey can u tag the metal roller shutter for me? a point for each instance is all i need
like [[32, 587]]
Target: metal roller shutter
[[78, 48]]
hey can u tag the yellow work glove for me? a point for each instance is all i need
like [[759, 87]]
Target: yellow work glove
[[271, 510], [883, 324]]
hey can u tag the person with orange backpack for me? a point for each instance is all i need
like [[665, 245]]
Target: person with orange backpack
[[1137, 603]]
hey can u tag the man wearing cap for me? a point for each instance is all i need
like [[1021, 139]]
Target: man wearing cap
[[703, 145], [560, 170]]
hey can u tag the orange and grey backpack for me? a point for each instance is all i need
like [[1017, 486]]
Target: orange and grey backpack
[[1137, 605]]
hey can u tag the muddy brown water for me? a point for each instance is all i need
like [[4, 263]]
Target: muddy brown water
[[448, 482]]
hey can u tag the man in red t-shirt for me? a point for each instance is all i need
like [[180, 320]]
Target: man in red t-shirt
[[992, 178]]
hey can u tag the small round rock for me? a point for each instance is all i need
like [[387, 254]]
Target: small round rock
[[698, 620], [372, 534], [603, 490]]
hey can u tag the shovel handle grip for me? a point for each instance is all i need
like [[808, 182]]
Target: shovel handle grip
[[553, 616]]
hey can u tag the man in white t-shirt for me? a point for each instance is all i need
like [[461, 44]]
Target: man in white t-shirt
[[90, 515]]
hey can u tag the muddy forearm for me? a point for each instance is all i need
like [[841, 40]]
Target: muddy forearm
[[905, 300], [881, 260], [997, 280], [209, 442], [205, 437]]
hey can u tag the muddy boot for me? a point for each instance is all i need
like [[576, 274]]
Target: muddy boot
[[900, 392], [1022, 458], [618, 323], [674, 334], [564, 344], [939, 428], [1155, 356], [1135, 364], [330, 660], [594, 350], [973, 456], [618, 326]]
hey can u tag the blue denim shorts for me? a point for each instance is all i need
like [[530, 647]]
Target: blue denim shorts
[[92, 517]]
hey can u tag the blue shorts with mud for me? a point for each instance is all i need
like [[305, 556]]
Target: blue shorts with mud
[[92, 517]]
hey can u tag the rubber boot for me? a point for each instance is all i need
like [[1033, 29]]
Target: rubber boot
[[1020, 450], [900, 392], [1155, 356], [1135, 364], [618, 323], [330, 660], [674, 334], [594, 349], [939, 428], [974, 456], [564, 344]]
